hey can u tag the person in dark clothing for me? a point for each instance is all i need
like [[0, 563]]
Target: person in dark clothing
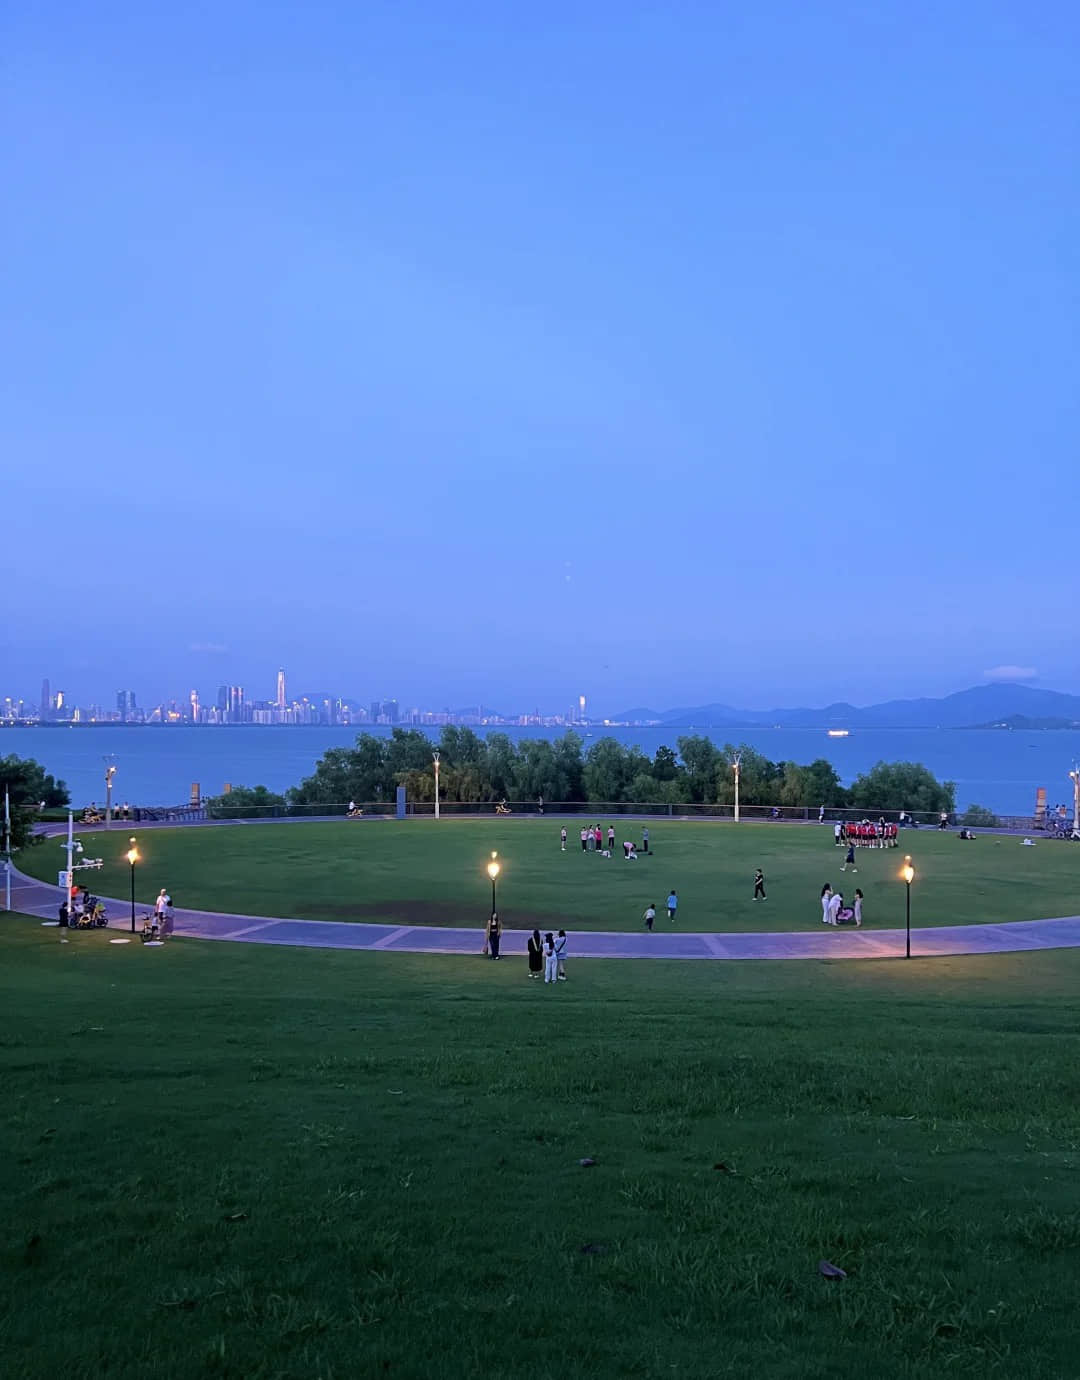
[[536, 954], [494, 934], [759, 885]]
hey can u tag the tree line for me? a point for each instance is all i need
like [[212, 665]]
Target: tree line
[[475, 770]]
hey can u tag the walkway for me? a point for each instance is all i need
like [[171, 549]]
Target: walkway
[[42, 900]]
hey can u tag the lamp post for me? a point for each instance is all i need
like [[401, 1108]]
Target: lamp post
[[1075, 775], [133, 858], [7, 849], [736, 763], [435, 759], [110, 772], [908, 874], [493, 872]]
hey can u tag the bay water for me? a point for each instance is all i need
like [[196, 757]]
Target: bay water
[[998, 768]]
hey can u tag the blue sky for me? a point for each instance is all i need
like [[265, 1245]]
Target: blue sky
[[663, 352]]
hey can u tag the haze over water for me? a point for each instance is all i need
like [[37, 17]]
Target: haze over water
[[157, 766]]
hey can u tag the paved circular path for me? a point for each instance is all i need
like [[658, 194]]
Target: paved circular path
[[42, 900]]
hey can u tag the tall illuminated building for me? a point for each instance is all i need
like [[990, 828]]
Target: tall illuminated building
[[281, 689]]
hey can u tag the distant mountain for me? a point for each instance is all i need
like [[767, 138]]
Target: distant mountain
[[981, 705], [638, 716]]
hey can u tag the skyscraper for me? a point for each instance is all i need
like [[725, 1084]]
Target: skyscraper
[[125, 703], [194, 706], [281, 689], [236, 704], [223, 699], [46, 705], [581, 709]]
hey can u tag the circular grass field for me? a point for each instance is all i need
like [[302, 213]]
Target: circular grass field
[[420, 872]]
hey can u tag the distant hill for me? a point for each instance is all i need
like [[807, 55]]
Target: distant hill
[[981, 706], [1026, 722]]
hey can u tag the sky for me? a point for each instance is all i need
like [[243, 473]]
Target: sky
[[666, 353]]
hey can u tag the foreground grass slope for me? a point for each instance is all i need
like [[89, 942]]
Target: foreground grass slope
[[233, 1161], [422, 873]]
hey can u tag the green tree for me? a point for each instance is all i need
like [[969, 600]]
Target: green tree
[[979, 817], [665, 765], [29, 786], [902, 786], [759, 778], [343, 774], [699, 758], [245, 801], [606, 775]]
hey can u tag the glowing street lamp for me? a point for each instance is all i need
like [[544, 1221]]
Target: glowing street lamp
[[736, 763], [435, 759], [110, 772], [1075, 775], [908, 874], [133, 858], [493, 872]]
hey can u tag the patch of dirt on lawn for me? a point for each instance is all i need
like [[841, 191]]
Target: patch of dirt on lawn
[[436, 913]]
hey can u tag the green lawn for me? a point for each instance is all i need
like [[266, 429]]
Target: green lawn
[[425, 873], [247, 1162]]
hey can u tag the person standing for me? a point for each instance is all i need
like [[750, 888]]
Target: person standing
[[160, 906], [611, 838], [551, 962], [540, 804], [560, 955], [837, 834], [759, 885], [494, 934], [821, 814], [649, 916], [672, 905], [536, 955], [826, 897], [849, 859], [599, 836], [836, 904], [858, 906], [644, 840], [584, 839], [562, 838]]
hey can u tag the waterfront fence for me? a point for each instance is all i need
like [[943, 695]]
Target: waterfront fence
[[581, 812]]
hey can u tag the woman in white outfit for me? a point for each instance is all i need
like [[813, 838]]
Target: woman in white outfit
[[826, 895], [551, 959]]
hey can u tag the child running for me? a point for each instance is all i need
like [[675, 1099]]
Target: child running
[[849, 857], [649, 916], [759, 886], [672, 905]]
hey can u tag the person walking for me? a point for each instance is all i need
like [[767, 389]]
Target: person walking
[[551, 962], [849, 859], [562, 838], [494, 934], [858, 906], [560, 955], [611, 838], [649, 916], [826, 897], [536, 955], [672, 905], [759, 885]]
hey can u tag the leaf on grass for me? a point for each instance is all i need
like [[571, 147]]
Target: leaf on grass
[[236, 1217], [831, 1271], [396, 1092], [723, 1168], [187, 1304], [51, 1131], [587, 1162], [594, 1248]]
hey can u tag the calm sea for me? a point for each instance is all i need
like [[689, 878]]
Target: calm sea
[[157, 766]]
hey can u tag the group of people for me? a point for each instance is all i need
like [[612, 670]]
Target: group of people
[[592, 841], [82, 912], [835, 912], [547, 956], [865, 834]]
